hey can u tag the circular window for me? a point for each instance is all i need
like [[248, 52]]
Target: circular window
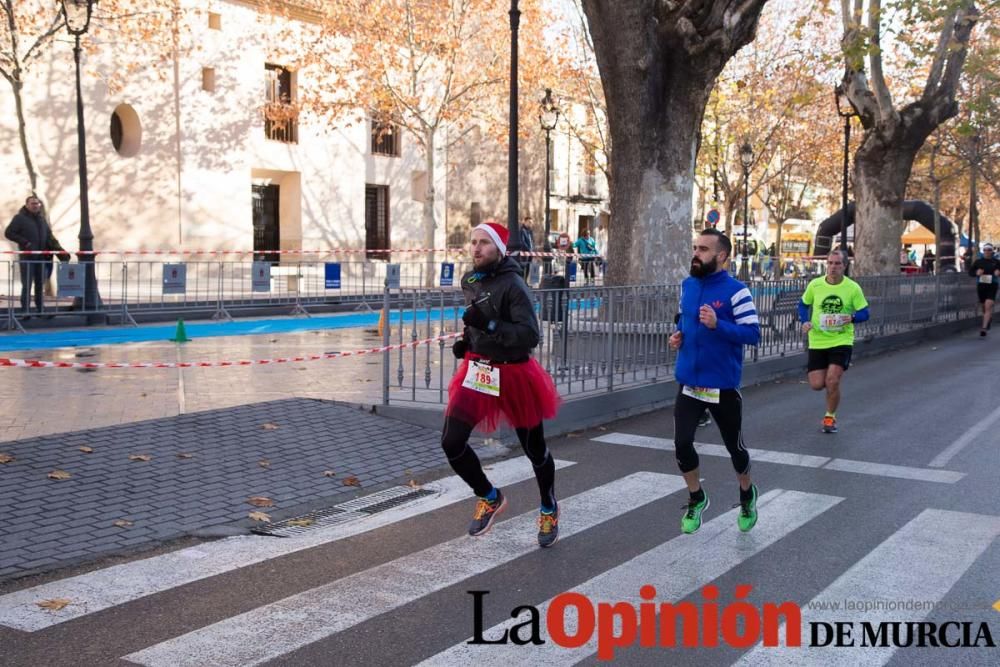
[[126, 131]]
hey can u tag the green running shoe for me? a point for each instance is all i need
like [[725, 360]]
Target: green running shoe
[[691, 521], [747, 517]]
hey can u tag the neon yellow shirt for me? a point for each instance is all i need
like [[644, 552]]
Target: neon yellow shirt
[[833, 306]]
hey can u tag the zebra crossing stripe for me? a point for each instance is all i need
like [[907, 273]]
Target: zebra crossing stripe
[[793, 459], [273, 630], [108, 587], [920, 562], [676, 569]]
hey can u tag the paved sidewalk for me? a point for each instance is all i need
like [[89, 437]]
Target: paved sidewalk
[[46, 523], [47, 401]]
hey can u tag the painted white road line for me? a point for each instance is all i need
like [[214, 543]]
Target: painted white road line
[[921, 561], [104, 588], [792, 459], [889, 470], [967, 438], [273, 630], [675, 569]]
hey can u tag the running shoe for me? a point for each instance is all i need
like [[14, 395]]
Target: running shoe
[[982, 332], [705, 419], [747, 518], [829, 424], [485, 514], [691, 521], [548, 528]]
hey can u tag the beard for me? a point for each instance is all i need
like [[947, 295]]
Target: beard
[[486, 262], [700, 270]]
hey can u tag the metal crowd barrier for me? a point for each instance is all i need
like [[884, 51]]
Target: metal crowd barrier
[[133, 287], [598, 339]]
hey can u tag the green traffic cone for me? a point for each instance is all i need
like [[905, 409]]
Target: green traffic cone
[[180, 336]]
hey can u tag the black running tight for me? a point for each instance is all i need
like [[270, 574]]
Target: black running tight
[[728, 414], [465, 463]]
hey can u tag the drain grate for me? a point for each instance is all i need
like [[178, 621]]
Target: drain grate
[[383, 500], [345, 512]]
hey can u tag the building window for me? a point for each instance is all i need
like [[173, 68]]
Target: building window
[[475, 214], [266, 223], [208, 79], [126, 130], [280, 112], [385, 138], [377, 221], [214, 21]]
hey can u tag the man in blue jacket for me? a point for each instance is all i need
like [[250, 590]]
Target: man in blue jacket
[[717, 318]]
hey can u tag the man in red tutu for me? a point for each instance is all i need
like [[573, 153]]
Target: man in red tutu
[[499, 380]]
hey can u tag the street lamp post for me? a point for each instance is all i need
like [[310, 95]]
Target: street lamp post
[[77, 14], [513, 225], [746, 159], [548, 117], [845, 109]]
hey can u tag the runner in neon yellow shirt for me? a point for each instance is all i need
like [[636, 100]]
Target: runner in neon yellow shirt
[[837, 302]]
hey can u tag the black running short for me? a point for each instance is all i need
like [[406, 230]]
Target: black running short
[[822, 359], [986, 291]]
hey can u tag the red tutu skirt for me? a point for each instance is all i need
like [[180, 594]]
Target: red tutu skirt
[[527, 396]]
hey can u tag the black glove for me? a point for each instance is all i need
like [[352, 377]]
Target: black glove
[[474, 317], [459, 348], [64, 257]]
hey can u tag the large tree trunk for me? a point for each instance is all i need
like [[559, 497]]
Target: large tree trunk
[[653, 190], [658, 63], [880, 175], [893, 137]]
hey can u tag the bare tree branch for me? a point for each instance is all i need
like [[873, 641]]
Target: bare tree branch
[[882, 95], [940, 54], [43, 39]]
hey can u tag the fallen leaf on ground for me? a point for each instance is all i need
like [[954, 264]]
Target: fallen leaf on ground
[[260, 501], [352, 481], [143, 395], [574, 434], [122, 523], [6, 458], [301, 369], [55, 604], [140, 457], [59, 474], [86, 450], [329, 473], [185, 455], [302, 523], [269, 426], [259, 516], [413, 484], [264, 463]]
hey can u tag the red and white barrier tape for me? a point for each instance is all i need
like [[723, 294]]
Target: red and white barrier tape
[[38, 363], [328, 251], [183, 251]]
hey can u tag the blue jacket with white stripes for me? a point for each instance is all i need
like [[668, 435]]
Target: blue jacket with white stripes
[[714, 357]]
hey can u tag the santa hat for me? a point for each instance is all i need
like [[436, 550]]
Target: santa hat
[[497, 233]]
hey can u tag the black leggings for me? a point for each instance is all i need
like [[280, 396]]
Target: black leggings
[[728, 414], [465, 463]]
